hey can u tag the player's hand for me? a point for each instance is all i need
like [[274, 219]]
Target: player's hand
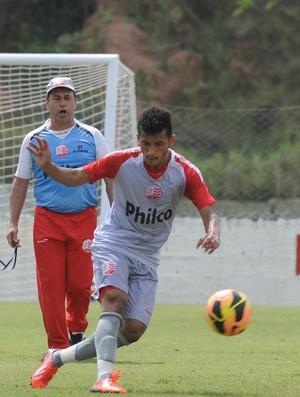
[[12, 237], [41, 151], [209, 243]]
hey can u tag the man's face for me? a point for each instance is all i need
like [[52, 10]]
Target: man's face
[[61, 105], [155, 148]]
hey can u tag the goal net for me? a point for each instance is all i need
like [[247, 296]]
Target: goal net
[[106, 99]]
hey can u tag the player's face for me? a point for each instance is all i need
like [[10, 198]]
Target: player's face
[[61, 106], [155, 149]]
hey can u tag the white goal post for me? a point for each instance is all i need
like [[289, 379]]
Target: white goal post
[[106, 99]]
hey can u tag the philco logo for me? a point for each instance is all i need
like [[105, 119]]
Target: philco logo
[[151, 217], [153, 192], [62, 150]]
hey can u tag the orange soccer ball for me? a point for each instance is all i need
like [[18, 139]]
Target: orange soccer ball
[[228, 312]]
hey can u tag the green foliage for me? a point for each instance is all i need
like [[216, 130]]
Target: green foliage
[[68, 43], [248, 62], [35, 26], [107, 16], [244, 5], [167, 16], [143, 83], [245, 61], [256, 177], [244, 155]]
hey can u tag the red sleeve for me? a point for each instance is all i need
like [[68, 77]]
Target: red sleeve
[[196, 189], [107, 166]]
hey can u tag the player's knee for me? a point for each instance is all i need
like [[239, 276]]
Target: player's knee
[[133, 330], [134, 337], [114, 300]]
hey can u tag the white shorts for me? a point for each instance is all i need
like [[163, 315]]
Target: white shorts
[[138, 280]]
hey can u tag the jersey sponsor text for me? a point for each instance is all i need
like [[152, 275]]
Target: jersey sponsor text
[[147, 218]]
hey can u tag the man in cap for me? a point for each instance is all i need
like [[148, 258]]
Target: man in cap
[[64, 218]]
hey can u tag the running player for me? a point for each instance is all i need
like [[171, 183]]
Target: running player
[[148, 183], [65, 218]]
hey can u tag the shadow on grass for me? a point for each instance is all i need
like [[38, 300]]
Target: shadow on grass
[[141, 363], [94, 361], [191, 393]]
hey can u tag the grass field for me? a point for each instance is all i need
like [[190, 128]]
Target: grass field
[[178, 356]]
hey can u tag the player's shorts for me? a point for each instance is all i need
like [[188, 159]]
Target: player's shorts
[[138, 280]]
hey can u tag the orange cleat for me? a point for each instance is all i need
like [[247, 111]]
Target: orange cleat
[[45, 373], [108, 385]]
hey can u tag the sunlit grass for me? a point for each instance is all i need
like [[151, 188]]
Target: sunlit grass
[[178, 356]]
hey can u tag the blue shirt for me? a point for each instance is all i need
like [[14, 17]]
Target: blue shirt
[[76, 149]]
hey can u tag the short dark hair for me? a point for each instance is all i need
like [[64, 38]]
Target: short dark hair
[[153, 120]]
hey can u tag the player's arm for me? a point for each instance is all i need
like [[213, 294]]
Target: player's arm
[[109, 189], [17, 199], [197, 192], [211, 241], [66, 176]]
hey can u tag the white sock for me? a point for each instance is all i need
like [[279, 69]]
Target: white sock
[[106, 342], [68, 355], [104, 369]]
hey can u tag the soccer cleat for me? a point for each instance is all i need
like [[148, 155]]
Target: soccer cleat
[[45, 373], [108, 385], [76, 338]]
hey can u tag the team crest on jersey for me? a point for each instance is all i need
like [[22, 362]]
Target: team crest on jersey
[[62, 150], [87, 245], [153, 192], [109, 268]]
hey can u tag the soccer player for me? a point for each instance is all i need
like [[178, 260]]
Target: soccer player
[[65, 217], [148, 183]]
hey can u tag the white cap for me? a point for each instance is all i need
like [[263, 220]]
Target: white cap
[[60, 82]]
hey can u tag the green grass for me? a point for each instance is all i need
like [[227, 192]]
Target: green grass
[[178, 356]]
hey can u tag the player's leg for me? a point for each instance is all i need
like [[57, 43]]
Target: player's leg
[[141, 300], [111, 273], [54, 359], [84, 350], [107, 336], [131, 331], [134, 299], [105, 339], [79, 270], [50, 256], [103, 342], [113, 302]]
